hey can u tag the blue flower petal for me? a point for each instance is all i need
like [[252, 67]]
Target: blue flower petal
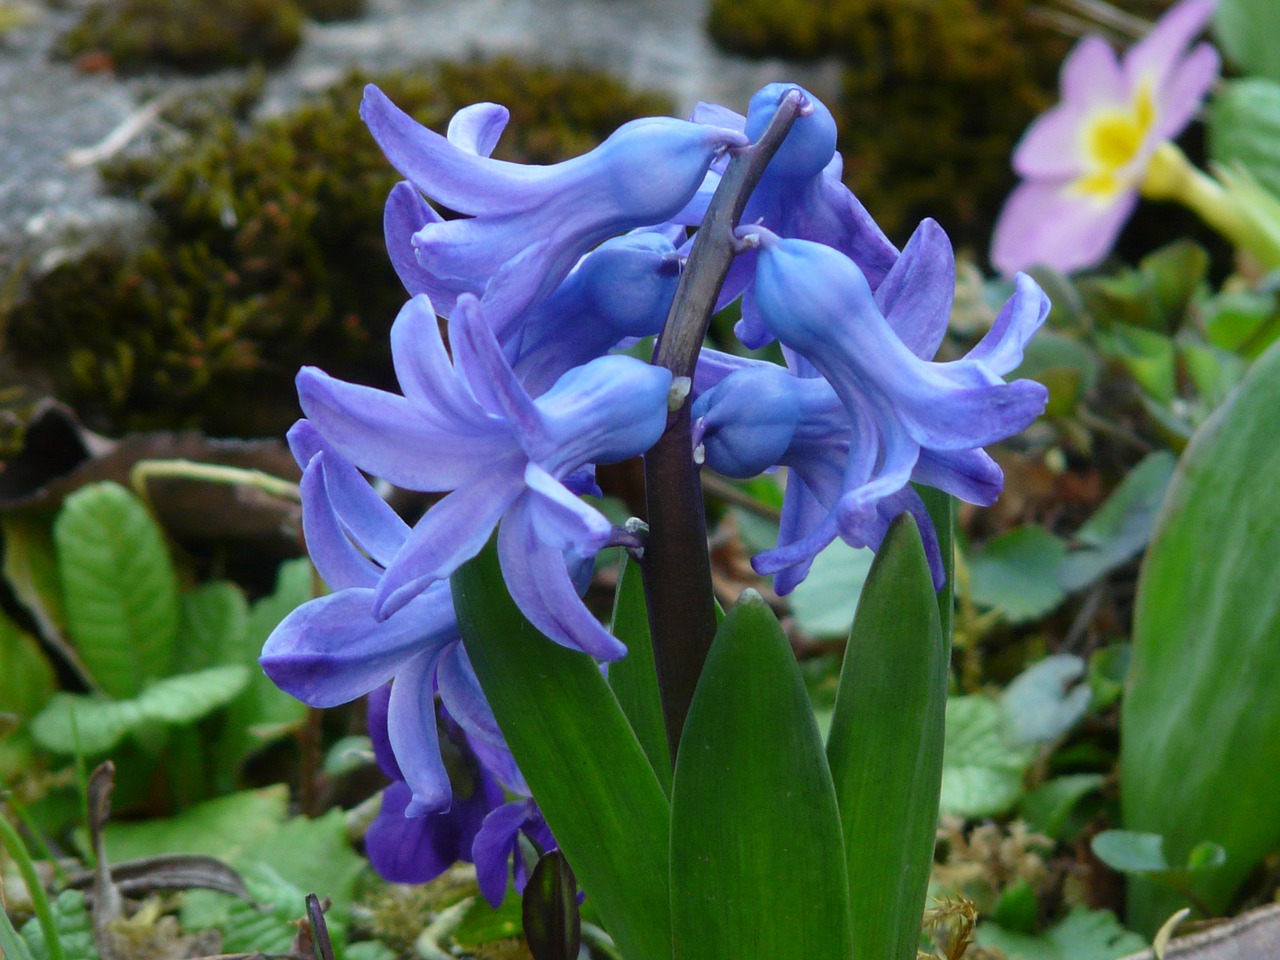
[[411, 727], [540, 585], [916, 295], [339, 563], [449, 534], [331, 650]]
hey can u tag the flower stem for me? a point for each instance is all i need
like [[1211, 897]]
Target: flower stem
[[677, 568], [1171, 176]]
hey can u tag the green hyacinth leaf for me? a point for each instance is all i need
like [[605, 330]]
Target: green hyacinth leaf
[[757, 859], [583, 762], [885, 746], [634, 678], [119, 587], [1200, 729]]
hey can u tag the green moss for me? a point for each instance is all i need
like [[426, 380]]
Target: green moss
[[935, 93], [327, 10], [269, 252], [191, 35]]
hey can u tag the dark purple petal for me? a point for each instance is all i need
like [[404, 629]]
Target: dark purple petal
[[494, 846], [405, 849], [376, 719]]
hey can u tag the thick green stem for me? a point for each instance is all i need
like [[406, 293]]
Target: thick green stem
[[677, 568]]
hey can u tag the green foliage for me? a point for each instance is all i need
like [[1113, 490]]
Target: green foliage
[[634, 679], [92, 725], [1244, 128], [1016, 573], [269, 252], [885, 746], [27, 680], [1245, 28], [1047, 699], [757, 862], [189, 35], [1143, 854], [582, 760], [825, 602], [982, 766], [1083, 935], [1201, 725], [119, 587], [1046, 809], [73, 926]]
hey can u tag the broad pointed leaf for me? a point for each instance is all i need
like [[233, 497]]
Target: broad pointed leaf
[[757, 859], [581, 759], [885, 746], [634, 678], [119, 587]]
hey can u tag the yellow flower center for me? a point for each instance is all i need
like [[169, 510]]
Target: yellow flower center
[[1112, 137]]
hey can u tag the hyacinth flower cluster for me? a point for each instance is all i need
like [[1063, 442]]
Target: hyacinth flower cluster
[[513, 390]]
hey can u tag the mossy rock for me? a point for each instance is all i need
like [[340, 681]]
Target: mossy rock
[[327, 10], [196, 36], [935, 93], [269, 253]]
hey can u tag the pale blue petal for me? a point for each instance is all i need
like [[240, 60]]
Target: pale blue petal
[[411, 727], [331, 650], [448, 535], [541, 586]]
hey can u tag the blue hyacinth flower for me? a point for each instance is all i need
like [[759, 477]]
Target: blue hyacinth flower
[[523, 227], [467, 427], [333, 649], [800, 195], [862, 411], [418, 849]]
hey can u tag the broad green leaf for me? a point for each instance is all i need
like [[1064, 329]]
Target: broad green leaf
[[216, 828], [826, 600], [1047, 808], [581, 758], [885, 746], [1047, 699], [1149, 357], [31, 567], [634, 678], [27, 679], [100, 723], [1143, 854], [88, 725], [1246, 30], [1084, 935], [211, 623], [982, 769], [1243, 321], [119, 587], [262, 712], [757, 861], [1244, 129], [1017, 573], [1121, 527], [1050, 352], [942, 511], [1200, 732], [73, 924], [11, 943]]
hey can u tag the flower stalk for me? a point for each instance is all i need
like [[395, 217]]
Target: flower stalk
[[677, 568]]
